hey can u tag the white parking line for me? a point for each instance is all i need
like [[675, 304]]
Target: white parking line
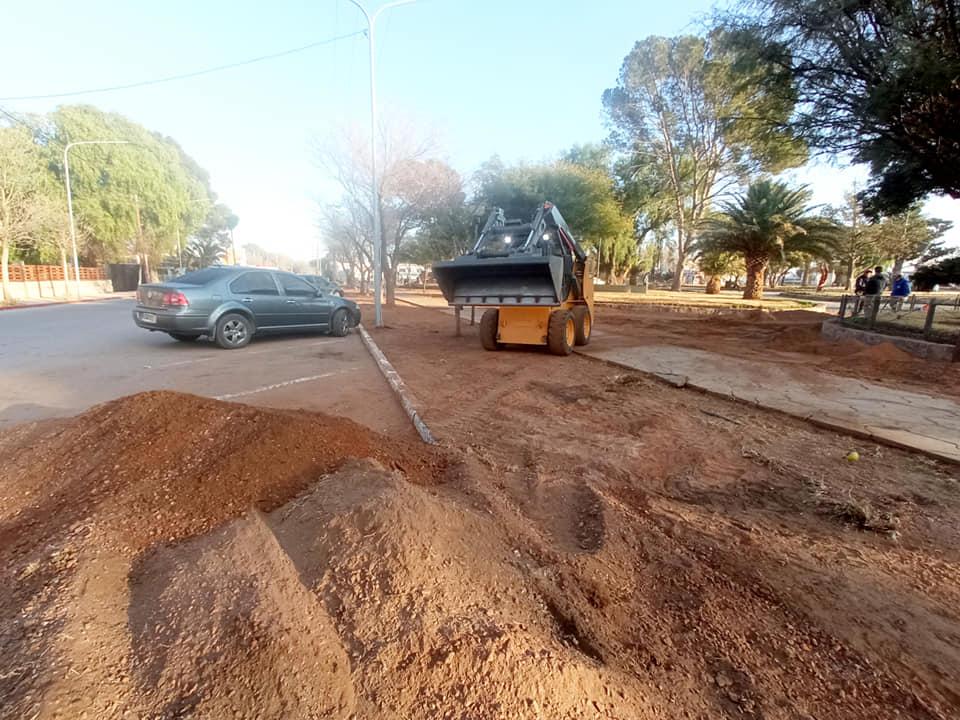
[[178, 364], [265, 388]]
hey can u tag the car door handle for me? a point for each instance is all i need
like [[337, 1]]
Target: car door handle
[[248, 299], [291, 302]]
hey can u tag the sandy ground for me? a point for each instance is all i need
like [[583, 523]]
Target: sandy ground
[[585, 543]]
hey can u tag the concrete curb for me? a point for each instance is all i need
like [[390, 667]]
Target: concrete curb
[[396, 382], [682, 381], [27, 306]]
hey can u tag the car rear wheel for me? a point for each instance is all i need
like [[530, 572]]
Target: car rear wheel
[[339, 323], [234, 331], [184, 337]]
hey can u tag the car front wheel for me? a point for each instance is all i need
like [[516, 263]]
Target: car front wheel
[[339, 323], [234, 331]]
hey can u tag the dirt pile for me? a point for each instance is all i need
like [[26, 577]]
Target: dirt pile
[[588, 548]]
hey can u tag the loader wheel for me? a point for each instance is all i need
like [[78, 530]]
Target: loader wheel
[[489, 326], [584, 323], [561, 332]]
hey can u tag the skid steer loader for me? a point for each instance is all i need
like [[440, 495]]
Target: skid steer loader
[[533, 276]]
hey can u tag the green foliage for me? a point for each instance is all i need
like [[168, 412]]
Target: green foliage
[[687, 112], [206, 251], [112, 183], [585, 195], [31, 218], [876, 80], [765, 224], [910, 236], [721, 263], [945, 272]]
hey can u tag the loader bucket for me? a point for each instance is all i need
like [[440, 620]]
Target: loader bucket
[[529, 280]]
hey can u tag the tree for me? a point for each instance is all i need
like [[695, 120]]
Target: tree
[[910, 236], [945, 272], [877, 80], [132, 198], [411, 183], [687, 111], [716, 265], [206, 251], [24, 206], [764, 224], [585, 195], [854, 247]]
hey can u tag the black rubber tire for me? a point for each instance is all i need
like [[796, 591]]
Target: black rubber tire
[[489, 327], [234, 331], [584, 324], [339, 323], [183, 337], [561, 332]]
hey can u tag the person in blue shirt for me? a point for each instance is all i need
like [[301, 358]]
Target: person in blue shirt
[[901, 287]]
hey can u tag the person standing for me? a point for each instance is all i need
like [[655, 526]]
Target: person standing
[[860, 285], [877, 282], [900, 292], [901, 287]]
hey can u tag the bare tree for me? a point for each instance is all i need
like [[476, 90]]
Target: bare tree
[[411, 182]]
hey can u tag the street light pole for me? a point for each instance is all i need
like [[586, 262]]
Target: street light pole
[[73, 230], [375, 208]]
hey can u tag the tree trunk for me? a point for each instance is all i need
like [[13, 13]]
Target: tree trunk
[[390, 285], [848, 283], [678, 273], [713, 285], [5, 269], [756, 268], [897, 267], [806, 275], [824, 274]]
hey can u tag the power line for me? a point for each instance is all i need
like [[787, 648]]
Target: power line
[[186, 76]]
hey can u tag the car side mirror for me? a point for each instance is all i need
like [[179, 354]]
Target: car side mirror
[[319, 293]]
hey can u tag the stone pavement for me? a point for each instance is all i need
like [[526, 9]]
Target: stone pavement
[[895, 417]]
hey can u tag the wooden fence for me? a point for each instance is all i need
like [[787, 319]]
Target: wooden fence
[[46, 273]]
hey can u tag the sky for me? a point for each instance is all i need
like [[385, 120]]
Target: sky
[[521, 79]]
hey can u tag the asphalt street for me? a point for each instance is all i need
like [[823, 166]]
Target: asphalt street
[[57, 361]]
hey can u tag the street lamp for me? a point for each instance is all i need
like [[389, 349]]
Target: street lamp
[[73, 231], [375, 208]]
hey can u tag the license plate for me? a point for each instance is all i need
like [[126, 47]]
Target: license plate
[[148, 317]]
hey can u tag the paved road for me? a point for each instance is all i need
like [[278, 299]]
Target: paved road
[[59, 360]]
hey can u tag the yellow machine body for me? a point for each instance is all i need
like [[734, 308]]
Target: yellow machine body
[[528, 325]]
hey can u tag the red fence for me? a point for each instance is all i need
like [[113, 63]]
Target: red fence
[[45, 273]]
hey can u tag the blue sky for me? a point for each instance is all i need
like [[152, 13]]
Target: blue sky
[[521, 79]]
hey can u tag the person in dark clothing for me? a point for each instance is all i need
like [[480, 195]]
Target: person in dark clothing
[[901, 287], [877, 282], [861, 284]]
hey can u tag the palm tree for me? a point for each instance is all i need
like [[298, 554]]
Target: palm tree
[[206, 251], [766, 223]]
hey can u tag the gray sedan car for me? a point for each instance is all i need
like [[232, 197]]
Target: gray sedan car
[[232, 304]]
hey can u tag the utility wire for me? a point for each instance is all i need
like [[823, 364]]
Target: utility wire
[[186, 76]]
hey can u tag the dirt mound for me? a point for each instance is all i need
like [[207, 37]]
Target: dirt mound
[[656, 568], [884, 353], [161, 466]]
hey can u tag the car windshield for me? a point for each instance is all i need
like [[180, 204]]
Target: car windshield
[[200, 277]]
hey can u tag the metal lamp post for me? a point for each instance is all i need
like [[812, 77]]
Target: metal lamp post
[[73, 231], [375, 208]]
